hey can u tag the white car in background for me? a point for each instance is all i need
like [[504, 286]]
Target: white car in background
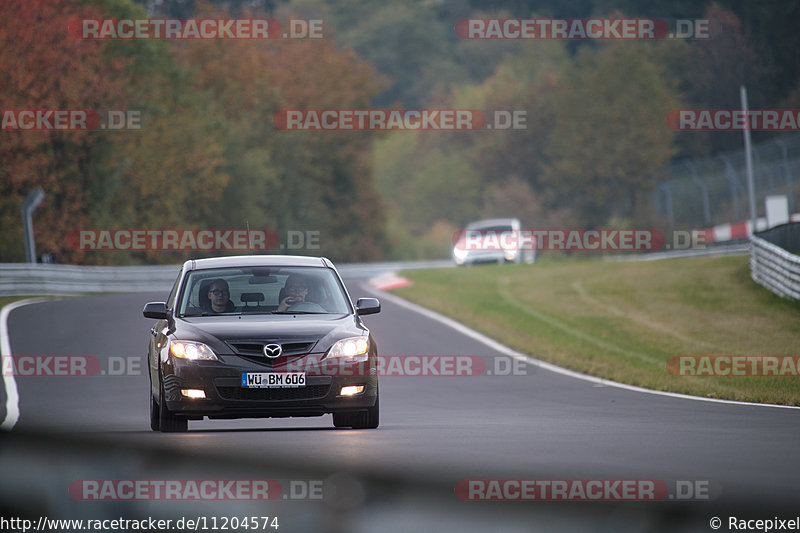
[[497, 240]]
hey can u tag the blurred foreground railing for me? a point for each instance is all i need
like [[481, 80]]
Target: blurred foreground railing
[[773, 261], [43, 474]]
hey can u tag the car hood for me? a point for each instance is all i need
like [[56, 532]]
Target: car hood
[[219, 332]]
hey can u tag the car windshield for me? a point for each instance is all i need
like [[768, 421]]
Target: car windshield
[[495, 229], [260, 290]]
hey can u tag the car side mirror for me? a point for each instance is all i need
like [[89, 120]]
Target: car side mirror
[[368, 306], [157, 310]]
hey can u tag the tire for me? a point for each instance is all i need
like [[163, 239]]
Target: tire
[[155, 422], [529, 257], [371, 418], [342, 420], [368, 419], [169, 422]]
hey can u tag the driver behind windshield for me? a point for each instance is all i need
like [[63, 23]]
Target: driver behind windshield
[[295, 290], [218, 297]]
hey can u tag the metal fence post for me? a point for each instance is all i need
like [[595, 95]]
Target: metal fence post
[[787, 174], [703, 188], [28, 205]]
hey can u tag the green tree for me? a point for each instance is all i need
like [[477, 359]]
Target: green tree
[[291, 180], [610, 131]]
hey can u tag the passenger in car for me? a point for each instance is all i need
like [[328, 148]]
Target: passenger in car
[[294, 291]]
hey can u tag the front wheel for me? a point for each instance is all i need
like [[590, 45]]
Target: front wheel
[[371, 418], [155, 421], [368, 419], [168, 421], [529, 257]]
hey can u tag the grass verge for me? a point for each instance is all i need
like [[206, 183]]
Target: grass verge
[[624, 320]]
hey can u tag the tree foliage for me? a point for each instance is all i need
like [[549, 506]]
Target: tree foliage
[[44, 68], [209, 156], [610, 134]]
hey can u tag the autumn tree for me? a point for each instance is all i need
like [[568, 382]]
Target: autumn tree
[[163, 175], [293, 180], [45, 68]]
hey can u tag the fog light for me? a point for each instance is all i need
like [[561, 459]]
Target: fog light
[[193, 393], [351, 390]]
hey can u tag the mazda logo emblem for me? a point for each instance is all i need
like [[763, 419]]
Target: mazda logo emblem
[[273, 350]]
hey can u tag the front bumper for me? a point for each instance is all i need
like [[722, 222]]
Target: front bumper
[[474, 257], [226, 398]]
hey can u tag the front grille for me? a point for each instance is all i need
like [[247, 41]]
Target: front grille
[[301, 393], [257, 348]]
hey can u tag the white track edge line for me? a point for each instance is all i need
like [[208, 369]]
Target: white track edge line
[[9, 383]]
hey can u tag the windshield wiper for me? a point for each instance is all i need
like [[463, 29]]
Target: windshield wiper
[[299, 313]]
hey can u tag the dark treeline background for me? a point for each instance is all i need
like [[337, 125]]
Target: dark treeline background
[[208, 155]]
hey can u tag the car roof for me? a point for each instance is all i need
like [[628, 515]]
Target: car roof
[[258, 260], [493, 222]]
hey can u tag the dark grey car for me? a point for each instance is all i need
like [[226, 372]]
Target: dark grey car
[[261, 336]]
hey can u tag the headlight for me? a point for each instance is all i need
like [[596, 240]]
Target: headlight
[[459, 253], [350, 347], [194, 351]]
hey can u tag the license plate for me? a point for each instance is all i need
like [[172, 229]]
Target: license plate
[[266, 380]]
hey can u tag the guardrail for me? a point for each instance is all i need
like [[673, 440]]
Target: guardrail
[[716, 250], [22, 279], [772, 263], [18, 279]]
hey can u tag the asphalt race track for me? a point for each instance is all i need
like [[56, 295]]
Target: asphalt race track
[[438, 430]]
